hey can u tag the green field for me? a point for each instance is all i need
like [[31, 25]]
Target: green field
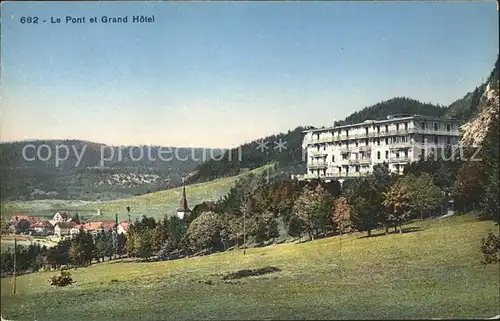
[[432, 272], [153, 205]]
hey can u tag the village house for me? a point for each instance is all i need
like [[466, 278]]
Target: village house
[[41, 228], [123, 227], [63, 228], [17, 218], [94, 227], [61, 217]]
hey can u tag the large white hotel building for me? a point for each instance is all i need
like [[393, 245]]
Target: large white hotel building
[[347, 151]]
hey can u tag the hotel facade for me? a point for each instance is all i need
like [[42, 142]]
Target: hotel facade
[[351, 151]]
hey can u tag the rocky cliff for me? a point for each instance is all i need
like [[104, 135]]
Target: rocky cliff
[[475, 130]]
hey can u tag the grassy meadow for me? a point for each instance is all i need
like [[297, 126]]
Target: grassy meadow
[[431, 271], [155, 204]]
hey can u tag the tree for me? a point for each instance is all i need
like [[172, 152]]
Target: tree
[[397, 200], [76, 253], [273, 231], [75, 218], [160, 235], [469, 185], [143, 244], [309, 205], [342, 216], [4, 226], [425, 196], [204, 231], [295, 227], [23, 226], [490, 203]]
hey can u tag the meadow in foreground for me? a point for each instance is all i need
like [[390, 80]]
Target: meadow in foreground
[[432, 271]]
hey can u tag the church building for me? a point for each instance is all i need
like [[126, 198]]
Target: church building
[[183, 209]]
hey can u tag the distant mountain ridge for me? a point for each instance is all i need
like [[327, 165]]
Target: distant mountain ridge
[[103, 171]]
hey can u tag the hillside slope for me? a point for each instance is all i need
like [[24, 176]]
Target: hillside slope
[[156, 204], [434, 271]]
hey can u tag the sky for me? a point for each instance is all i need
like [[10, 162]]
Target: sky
[[219, 74]]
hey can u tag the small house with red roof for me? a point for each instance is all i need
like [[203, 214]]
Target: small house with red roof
[[122, 228], [42, 228]]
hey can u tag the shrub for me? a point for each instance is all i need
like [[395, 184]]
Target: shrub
[[63, 279], [490, 247]]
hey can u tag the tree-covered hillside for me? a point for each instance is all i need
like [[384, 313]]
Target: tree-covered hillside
[[284, 148], [398, 105]]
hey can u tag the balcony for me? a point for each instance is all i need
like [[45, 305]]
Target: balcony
[[318, 153], [317, 165], [399, 159], [349, 174], [344, 162], [400, 145], [365, 160], [365, 148]]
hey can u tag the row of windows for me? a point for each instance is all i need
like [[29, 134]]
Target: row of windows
[[423, 125], [390, 140]]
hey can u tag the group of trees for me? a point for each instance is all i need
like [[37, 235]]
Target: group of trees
[[79, 250], [256, 211]]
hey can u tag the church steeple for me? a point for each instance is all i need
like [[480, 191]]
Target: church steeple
[[183, 209]]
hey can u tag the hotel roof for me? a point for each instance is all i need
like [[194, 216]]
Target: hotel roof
[[390, 119]]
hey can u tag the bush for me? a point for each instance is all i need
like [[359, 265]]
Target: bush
[[63, 279], [490, 247]]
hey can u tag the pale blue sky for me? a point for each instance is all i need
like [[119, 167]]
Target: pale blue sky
[[219, 74]]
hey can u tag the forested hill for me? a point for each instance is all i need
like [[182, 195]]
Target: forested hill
[[79, 174], [284, 148], [398, 105]]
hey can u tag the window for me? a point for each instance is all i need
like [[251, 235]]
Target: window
[[366, 142], [386, 128], [397, 127], [356, 143], [357, 168], [406, 126], [397, 154], [423, 139], [435, 139], [362, 155], [406, 153], [333, 158], [366, 130], [324, 147], [422, 124], [435, 126], [448, 127], [378, 141], [386, 154], [378, 155], [422, 153], [347, 133], [448, 140], [387, 140], [344, 156], [378, 129]]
